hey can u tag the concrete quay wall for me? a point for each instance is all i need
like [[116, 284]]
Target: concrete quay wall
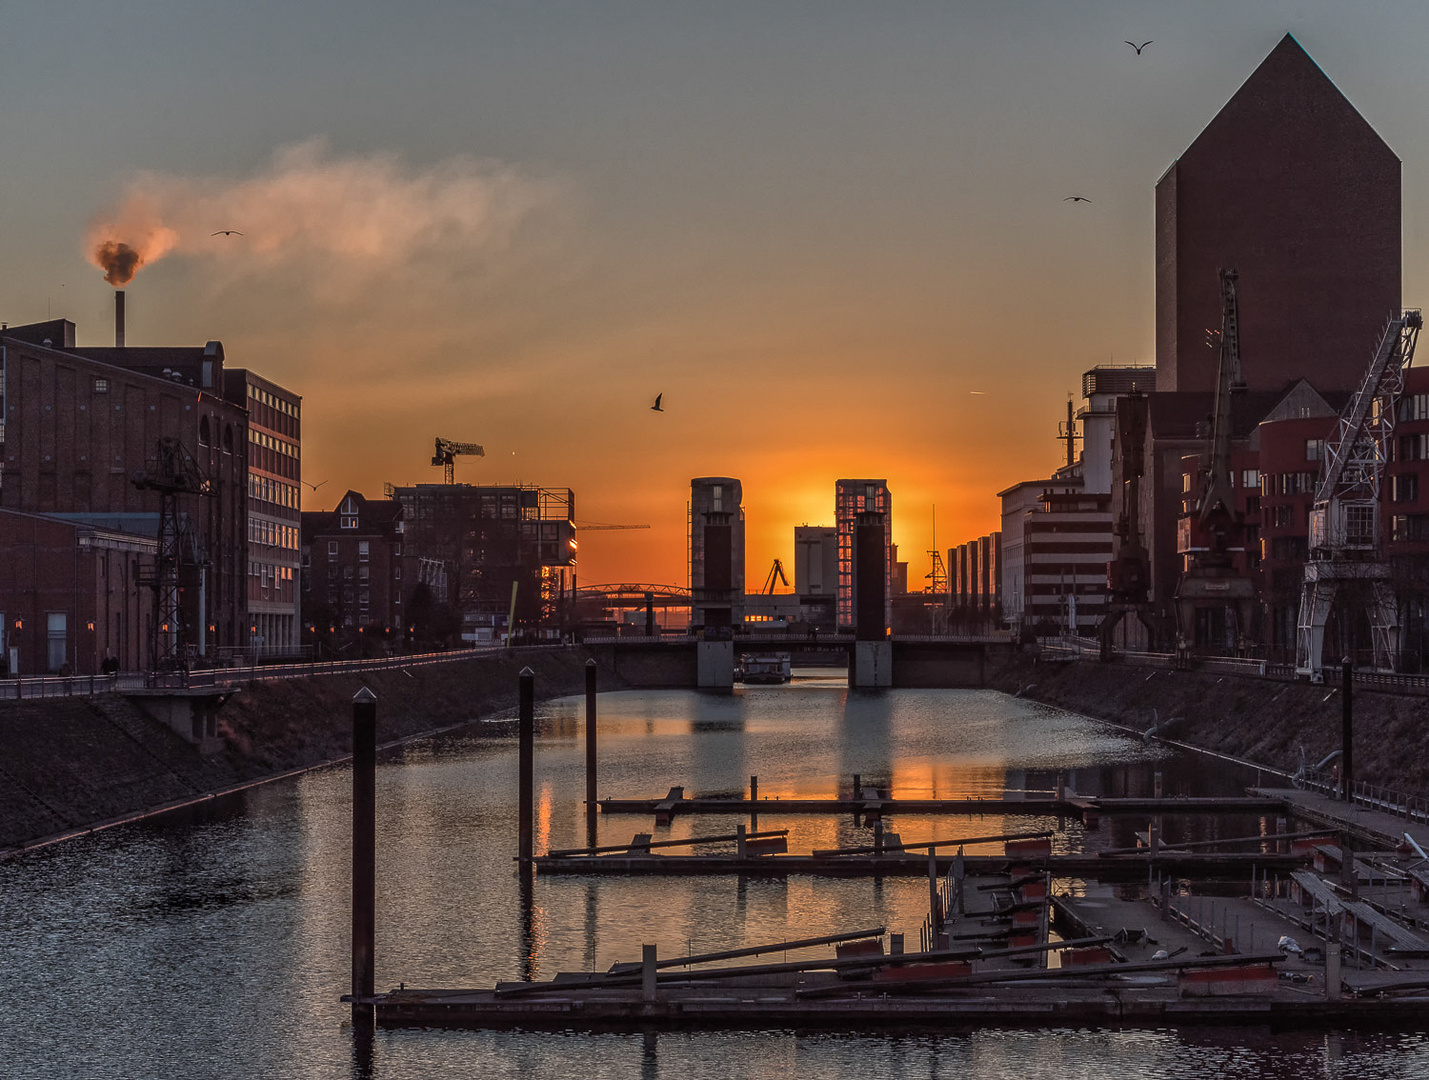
[[1256, 719], [72, 764]]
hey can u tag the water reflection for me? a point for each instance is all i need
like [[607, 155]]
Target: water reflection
[[226, 929]]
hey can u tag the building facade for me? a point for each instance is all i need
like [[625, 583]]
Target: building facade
[[273, 593], [81, 425], [863, 510], [716, 544], [355, 574]]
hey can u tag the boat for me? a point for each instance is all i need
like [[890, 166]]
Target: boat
[[765, 670]]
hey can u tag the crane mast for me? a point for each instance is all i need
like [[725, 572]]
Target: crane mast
[[1345, 541], [1212, 581]]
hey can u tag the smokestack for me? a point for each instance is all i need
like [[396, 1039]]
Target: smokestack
[[119, 318]]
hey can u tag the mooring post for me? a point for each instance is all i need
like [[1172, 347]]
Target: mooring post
[[647, 972], [739, 848], [935, 906], [1347, 742], [590, 806], [527, 753], [364, 853], [754, 804]]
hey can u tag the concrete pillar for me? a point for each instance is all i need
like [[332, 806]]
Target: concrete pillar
[[714, 662], [872, 665]]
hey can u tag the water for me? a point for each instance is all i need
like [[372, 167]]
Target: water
[[215, 944]]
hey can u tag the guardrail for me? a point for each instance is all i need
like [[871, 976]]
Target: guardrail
[[57, 686]]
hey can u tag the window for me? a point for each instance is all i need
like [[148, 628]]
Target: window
[[332, 549], [101, 386], [1250, 478], [362, 551], [1282, 516], [1185, 482], [1314, 449], [56, 640], [1405, 487]]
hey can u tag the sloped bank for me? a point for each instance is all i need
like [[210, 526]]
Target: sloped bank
[[1256, 719], [74, 764]]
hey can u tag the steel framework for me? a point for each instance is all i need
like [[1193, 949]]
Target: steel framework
[[1345, 537]]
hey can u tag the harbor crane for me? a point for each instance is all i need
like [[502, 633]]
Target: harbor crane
[[447, 451], [1212, 582], [1128, 574], [776, 573], [1345, 542]]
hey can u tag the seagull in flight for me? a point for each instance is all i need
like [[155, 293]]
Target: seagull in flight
[[656, 406], [226, 232], [1076, 198], [1137, 47], [319, 484]]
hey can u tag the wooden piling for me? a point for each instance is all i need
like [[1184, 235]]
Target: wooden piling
[[647, 972], [526, 763], [753, 803], [590, 756], [364, 854]]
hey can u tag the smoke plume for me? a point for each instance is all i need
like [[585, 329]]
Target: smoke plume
[[328, 221]]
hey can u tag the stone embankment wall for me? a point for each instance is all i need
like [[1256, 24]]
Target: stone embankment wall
[[70, 764], [1259, 720]]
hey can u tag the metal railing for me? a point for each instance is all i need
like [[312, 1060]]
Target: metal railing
[[59, 686]]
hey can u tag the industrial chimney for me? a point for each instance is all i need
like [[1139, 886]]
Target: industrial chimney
[[119, 318]]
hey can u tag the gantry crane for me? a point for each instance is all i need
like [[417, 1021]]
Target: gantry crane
[[1211, 581], [1128, 575], [1345, 541], [446, 452], [171, 472]]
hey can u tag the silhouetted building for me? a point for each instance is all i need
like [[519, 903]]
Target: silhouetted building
[[863, 516], [816, 571], [353, 567], [1290, 186], [716, 552], [496, 546]]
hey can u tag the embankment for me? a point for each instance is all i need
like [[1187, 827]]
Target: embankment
[[71, 764], [1256, 719]]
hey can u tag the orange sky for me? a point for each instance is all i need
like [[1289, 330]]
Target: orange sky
[[817, 236]]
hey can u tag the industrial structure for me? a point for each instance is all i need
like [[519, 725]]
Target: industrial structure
[[716, 545]]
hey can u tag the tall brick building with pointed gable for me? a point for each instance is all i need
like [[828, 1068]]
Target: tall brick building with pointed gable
[[1291, 186]]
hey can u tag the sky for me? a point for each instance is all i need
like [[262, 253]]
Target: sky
[[834, 236]]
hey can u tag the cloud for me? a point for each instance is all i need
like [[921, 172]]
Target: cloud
[[336, 223]]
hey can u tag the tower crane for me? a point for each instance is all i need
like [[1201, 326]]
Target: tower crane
[[1212, 581], [1345, 541], [446, 452]]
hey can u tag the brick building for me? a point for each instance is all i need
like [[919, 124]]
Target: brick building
[[79, 426], [69, 600], [354, 571], [1289, 185]]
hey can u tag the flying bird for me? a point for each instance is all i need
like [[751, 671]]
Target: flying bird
[[1137, 47], [319, 484], [1076, 198], [656, 406], [226, 232]]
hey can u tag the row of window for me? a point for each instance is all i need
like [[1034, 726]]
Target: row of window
[[270, 573], [281, 446], [272, 400], [272, 534], [266, 489]]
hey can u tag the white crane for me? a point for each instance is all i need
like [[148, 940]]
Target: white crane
[[1345, 541]]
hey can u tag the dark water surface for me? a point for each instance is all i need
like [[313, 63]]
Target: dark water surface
[[216, 944]]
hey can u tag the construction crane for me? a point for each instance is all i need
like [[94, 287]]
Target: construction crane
[[1212, 582], [1345, 542], [776, 573], [446, 452]]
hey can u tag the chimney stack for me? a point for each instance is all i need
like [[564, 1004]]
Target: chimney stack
[[119, 318]]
